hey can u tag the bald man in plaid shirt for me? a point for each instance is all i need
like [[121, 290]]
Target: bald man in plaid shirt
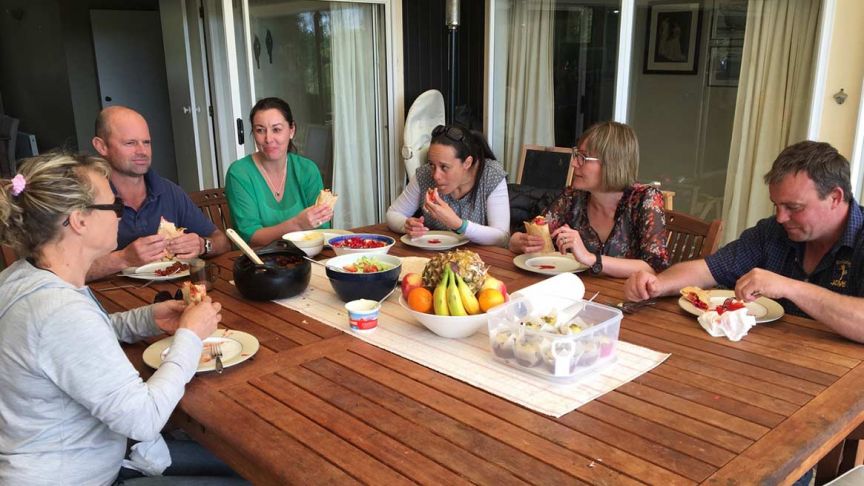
[[809, 256]]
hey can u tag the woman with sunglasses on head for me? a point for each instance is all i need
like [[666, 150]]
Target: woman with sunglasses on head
[[609, 222], [461, 188], [70, 397], [274, 190]]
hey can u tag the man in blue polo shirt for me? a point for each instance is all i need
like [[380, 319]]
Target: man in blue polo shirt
[[123, 138], [809, 256]]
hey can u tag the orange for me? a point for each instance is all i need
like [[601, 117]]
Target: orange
[[489, 298], [420, 300]]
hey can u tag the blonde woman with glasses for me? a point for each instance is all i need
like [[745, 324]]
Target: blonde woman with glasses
[[70, 398], [607, 220]]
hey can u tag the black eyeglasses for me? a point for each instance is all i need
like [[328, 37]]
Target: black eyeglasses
[[116, 206], [453, 133]]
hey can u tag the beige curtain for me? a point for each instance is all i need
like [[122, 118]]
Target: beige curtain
[[530, 104], [355, 119], [773, 103]]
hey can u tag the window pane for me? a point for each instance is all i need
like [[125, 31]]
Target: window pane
[[567, 49], [327, 60]]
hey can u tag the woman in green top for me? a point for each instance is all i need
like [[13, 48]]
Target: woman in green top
[[273, 191]]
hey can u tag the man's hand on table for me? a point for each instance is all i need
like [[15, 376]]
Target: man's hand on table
[[642, 285], [760, 282]]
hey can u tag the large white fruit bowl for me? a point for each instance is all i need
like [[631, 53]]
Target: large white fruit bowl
[[455, 327]]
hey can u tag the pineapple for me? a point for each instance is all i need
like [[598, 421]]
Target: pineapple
[[465, 263]]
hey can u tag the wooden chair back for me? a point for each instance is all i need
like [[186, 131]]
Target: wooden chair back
[[214, 204], [7, 256], [690, 238], [668, 199]]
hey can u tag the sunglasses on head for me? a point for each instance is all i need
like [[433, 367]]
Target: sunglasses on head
[[453, 133], [116, 206]]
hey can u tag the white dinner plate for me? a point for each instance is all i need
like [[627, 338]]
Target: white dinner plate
[[330, 233], [237, 347], [435, 240], [763, 308], [148, 272], [548, 263]]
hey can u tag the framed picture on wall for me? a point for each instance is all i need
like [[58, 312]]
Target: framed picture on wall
[[729, 20], [672, 44], [725, 66]]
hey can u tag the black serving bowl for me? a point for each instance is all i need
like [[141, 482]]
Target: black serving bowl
[[285, 272], [373, 286]]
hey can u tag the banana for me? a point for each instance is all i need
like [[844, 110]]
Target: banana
[[468, 300], [454, 300], [439, 298]]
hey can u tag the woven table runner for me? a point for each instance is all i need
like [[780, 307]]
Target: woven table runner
[[470, 359]]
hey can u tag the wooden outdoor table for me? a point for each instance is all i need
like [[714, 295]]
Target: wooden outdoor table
[[316, 405]]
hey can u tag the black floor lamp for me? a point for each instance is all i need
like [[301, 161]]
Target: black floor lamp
[[452, 19]]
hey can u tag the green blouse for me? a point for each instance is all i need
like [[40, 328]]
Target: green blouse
[[252, 203]]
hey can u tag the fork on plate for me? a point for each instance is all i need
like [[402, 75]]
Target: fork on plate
[[216, 353]]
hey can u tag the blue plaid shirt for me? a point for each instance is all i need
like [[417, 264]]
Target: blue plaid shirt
[[767, 246]]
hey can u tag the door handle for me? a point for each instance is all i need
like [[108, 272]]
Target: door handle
[[240, 140]]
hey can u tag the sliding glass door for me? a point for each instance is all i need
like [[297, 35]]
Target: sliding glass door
[[556, 75], [329, 61]]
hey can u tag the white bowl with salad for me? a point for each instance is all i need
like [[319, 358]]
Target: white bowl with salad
[[363, 276]]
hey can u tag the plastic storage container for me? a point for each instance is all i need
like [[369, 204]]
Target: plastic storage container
[[553, 337]]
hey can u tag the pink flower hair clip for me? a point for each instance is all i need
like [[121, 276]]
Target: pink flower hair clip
[[18, 184]]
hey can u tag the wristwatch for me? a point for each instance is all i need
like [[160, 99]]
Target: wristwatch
[[208, 246], [598, 263]]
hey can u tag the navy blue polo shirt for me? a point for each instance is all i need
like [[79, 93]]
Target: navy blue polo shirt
[[164, 198], [767, 246]]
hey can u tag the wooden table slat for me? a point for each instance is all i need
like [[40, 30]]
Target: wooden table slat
[[543, 447], [684, 424], [745, 369], [424, 437], [724, 376]]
